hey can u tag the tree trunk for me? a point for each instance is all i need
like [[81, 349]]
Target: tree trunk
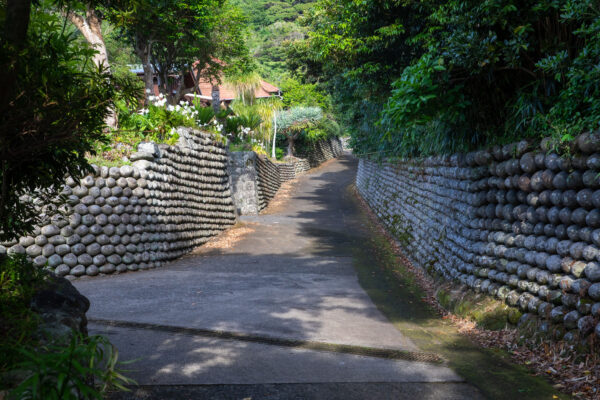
[[216, 99], [15, 28], [290, 149], [90, 27], [142, 50]]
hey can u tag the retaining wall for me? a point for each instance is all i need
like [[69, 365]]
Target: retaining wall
[[520, 223], [268, 180], [255, 179], [171, 200], [323, 150], [244, 178]]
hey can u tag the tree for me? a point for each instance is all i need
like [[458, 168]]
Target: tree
[[293, 122], [52, 112], [170, 36], [89, 22]]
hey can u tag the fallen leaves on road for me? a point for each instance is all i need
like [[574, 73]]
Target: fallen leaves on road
[[571, 372], [226, 239], [278, 202]]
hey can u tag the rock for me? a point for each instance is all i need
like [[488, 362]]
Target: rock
[[592, 271], [50, 230], [62, 270], [61, 308], [40, 261], [594, 291], [33, 250], [586, 325], [92, 270], [85, 259], [570, 319]]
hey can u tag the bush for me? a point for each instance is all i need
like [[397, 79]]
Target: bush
[[19, 280], [84, 369]]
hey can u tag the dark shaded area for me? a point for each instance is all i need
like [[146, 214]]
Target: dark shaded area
[[312, 391]]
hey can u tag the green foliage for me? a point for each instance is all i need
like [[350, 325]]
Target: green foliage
[[326, 128], [298, 118], [204, 114], [85, 369], [19, 279], [172, 35], [52, 110], [296, 93], [463, 74], [273, 24], [279, 153]]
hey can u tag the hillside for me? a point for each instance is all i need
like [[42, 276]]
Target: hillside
[[271, 24]]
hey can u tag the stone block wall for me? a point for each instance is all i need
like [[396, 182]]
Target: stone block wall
[[318, 153], [172, 199], [268, 180], [518, 222], [244, 181], [323, 150]]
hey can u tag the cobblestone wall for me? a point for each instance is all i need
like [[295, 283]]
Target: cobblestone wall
[[318, 153], [520, 223], [269, 180], [172, 199], [323, 150]]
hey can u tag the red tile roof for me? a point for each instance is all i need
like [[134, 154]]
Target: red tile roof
[[228, 93]]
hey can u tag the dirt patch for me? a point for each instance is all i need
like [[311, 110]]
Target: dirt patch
[[227, 239], [279, 201]]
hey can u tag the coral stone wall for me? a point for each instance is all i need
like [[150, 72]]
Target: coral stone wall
[[243, 177], [172, 199], [317, 153], [323, 150], [520, 223], [269, 180]]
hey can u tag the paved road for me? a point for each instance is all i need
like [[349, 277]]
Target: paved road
[[278, 315]]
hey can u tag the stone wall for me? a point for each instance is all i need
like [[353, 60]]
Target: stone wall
[[517, 222], [172, 199], [269, 180], [323, 150], [244, 178], [316, 154]]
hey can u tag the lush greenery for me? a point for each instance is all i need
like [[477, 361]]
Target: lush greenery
[[51, 370], [52, 110], [19, 280], [170, 36], [272, 26], [423, 77]]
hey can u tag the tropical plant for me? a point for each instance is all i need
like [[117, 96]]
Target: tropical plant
[[85, 369], [295, 121], [53, 104], [415, 77]]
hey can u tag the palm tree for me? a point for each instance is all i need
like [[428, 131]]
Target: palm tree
[[244, 85]]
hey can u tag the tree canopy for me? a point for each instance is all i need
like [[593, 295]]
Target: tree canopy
[[423, 77], [54, 103]]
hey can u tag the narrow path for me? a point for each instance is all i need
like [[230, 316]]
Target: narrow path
[[278, 315]]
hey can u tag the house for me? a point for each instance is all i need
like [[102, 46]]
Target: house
[[204, 92], [227, 92]]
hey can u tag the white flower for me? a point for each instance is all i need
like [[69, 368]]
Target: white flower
[[148, 91], [170, 108]]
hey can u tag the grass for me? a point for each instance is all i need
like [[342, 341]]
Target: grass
[[395, 292]]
